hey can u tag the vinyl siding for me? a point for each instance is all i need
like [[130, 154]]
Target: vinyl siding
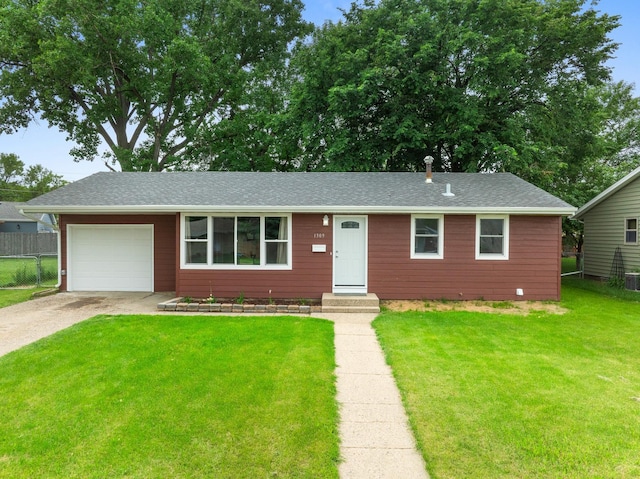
[[604, 228], [533, 265], [309, 278]]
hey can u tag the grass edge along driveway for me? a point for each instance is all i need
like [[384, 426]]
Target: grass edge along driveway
[[10, 297], [537, 396], [160, 396]]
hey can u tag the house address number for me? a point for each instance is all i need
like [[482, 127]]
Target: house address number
[[318, 235]]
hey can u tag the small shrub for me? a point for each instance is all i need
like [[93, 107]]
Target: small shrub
[[48, 275], [616, 282], [501, 305], [23, 276], [26, 275], [240, 298]]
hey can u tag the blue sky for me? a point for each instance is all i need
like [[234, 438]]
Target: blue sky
[[47, 146]]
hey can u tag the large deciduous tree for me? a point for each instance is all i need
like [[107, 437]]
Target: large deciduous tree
[[18, 183], [596, 141], [469, 82], [150, 78]]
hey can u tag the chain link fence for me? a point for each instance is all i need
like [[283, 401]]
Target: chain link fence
[[28, 271]]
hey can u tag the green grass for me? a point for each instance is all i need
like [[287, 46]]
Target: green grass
[[537, 396], [602, 287], [569, 265], [14, 296], [183, 397], [22, 271]]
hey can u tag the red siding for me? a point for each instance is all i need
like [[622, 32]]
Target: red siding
[[164, 234], [309, 278], [533, 265]]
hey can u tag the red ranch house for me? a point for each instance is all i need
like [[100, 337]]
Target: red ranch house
[[299, 235]]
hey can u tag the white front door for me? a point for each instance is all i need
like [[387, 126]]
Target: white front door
[[350, 254]]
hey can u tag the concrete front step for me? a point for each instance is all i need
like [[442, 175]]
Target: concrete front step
[[349, 309], [343, 303]]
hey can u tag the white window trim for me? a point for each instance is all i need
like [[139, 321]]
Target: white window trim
[[263, 243], [440, 253], [627, 230], [505, 243]]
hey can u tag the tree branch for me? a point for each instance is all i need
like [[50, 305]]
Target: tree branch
[[87, 109]]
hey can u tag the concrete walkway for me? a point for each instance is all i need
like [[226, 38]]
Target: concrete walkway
[[376, 441]]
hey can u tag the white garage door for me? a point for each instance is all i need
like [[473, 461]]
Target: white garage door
[[110, 258]]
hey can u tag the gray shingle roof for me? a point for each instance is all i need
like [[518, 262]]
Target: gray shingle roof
[[295, 192], [9, 211]]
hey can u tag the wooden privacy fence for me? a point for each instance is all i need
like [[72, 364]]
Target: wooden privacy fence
[[16, 244]]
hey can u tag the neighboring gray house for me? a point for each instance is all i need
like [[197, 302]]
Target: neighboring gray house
[[11, 221], [611, 221]]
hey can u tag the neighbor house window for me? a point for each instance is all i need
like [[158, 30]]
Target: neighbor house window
[[242, 241], [492, 237], [427, 236], [631, 231]]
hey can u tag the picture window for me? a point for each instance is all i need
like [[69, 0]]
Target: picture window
[[228, 241]]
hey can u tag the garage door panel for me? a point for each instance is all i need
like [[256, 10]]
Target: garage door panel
[[110, 258]]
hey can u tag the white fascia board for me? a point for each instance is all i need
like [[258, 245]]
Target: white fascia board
[[172, 209]]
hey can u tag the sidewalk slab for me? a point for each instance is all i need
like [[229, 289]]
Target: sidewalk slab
[[357, 343], [361, 362], [367, 389], [376, 435], [376, 440], [356, 329], [372, 412], [382, 463]]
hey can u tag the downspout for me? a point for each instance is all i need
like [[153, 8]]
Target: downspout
[[59, 241], [56, 228]]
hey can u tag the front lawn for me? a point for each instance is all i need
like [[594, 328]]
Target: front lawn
[[160, 396], [537, 396]]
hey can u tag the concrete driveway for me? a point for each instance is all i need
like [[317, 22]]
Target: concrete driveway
[[27, 322]]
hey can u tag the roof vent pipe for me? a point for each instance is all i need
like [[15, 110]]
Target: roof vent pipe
[[447, 191], [428, 161]]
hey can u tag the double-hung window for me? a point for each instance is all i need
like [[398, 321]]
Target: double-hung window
[[631, 231], [427, 236], [276, 238], [195, 236], [492, 237], [236, 241]]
